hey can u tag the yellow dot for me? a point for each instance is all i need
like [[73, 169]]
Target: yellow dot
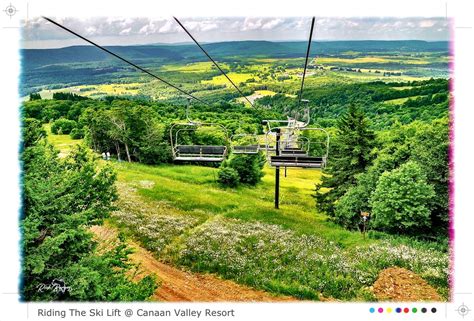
[[389, 310]]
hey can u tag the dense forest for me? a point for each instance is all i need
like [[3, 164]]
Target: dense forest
[[373, 98]]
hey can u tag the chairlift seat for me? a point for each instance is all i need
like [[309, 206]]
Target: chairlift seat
[[292, 149], [297, 161], [200, 153], [298, 152], [268, 148], [246, 149]]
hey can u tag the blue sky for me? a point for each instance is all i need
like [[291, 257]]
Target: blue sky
[[125, 31]]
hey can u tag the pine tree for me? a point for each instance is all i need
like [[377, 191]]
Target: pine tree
[[349, 155], [62, 198]]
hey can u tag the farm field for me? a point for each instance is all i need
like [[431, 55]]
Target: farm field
[[251, 78], [96, 91], [252, 73], [256, 95]]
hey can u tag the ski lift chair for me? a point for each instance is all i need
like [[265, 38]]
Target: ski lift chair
[[299, 157], [195, 153], [239, 147]]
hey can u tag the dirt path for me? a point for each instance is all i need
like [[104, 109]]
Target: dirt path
[[177, 285], [398, 284]]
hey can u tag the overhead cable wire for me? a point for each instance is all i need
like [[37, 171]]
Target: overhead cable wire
[[125, 60], [306, 62], [213, 61]]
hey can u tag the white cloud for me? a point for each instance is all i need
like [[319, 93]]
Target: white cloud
[[198, 25], [190, 25], [91, 30], [272, 24], [169, 26], [427, 23], [209, 26], [353, 23], [213, 29], [125, 32], [126, 22], [236, 25], [148, 29], [251, 24]]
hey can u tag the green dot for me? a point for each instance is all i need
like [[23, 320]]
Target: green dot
[[414, 310]]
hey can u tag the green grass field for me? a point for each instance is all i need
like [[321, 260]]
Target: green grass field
[[196, 67], [99, 90], [237, 78], [400, 101], [194, 189], [373, 59], [182, 215], [64, 143]]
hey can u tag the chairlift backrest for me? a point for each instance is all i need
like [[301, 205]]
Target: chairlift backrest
[[195, 152], [294, 149], [298, 161], [200, 150], [239, 147]]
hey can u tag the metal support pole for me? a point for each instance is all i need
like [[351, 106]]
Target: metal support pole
[[277, 171]]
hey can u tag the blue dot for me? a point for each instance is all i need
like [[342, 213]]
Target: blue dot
[[399, 310], [372, 310]]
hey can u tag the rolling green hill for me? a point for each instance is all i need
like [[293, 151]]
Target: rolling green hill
[[74, 54], [85, 65]]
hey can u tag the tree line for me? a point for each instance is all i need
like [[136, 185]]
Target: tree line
[[135, 130], [430, 100], [399, 176]]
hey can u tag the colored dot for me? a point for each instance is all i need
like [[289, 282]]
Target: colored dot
[[423, 310], [380, 310], [406, 310], [433, 310], [371, 310], [414, 310], [389, 310], [399, 310]]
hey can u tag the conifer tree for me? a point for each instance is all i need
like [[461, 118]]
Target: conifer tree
[[349, 155]]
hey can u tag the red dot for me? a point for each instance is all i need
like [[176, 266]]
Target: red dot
[[406, 310]]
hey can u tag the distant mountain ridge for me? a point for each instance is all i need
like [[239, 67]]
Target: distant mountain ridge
[[34, 58]]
